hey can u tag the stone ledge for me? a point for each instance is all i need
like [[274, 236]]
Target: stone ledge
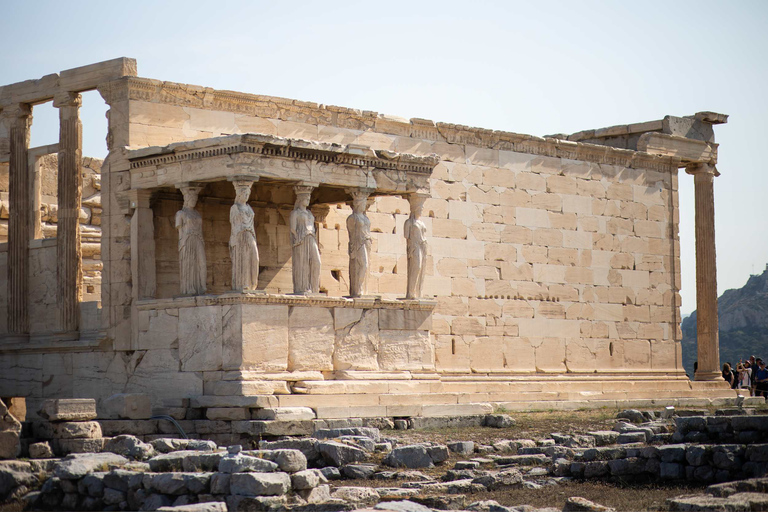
[[287, 300]]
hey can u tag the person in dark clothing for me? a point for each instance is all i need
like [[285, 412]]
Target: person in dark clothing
[[761, 379], [728, 374]]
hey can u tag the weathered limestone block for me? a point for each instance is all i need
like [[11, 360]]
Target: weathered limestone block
[[259, 484], [256, 337], [69, 409], [40, 450], [499, 354], [405, 319], [284, 413], [77, 466], [17, 406], [406, 350], [131, 406], [311, 339], [200, 338], [162, 329], [357, 339], [67, 430]]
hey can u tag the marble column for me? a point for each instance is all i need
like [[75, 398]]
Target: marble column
[[69, 258], [359, 233], [143, 266], [192, 262], [19, 119], [707, 338], [415, 232], [243, 249], [305, 262]]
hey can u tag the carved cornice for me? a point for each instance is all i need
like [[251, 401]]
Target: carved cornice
[[287, 300], [280, 147], [156, 91]]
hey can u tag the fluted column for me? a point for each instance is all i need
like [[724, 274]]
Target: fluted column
[[69, 261], [707, 337], [19, 119]]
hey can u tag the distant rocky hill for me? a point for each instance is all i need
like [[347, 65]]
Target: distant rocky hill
[[743, 316]]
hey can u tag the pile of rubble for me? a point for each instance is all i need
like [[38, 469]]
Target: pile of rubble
[[351, 467]]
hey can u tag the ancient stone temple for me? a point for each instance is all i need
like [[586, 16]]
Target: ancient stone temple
[[348, 261]]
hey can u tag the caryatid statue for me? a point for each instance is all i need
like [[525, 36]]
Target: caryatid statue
[[415, 232], [243, 250], [192, 267], [306, 253], [359, 231]]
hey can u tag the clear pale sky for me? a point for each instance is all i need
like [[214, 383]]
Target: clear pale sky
[[525, 67]]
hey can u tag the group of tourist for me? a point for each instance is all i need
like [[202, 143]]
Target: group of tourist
[[750, 375]]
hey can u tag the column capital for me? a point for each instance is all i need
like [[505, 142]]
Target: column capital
[[700, 168], [16, 110], [304, 188], [190, 185], [139, 198], [356, 192], [244, 178], [67, 99]]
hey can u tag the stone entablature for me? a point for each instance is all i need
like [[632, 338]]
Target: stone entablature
[[147, 90], [267, 157]]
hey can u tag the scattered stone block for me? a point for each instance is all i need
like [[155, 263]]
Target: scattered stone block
[[10, 431], [17, 406], [334, 433], [338, 454], [245, 463], [411, 456], [167, 445], [500, 479], [259, 484], [77, 466], [130, 447], [290, 461], [14, 474], [499, 421], [579, 504], [307, 479], [69, 446], [604, 437], [631, 437], [358, 471], [123, 480], [212, 506], [462, 447], [40, 450], [401, 506], [68, 409], [307, 446], [319, 494], [356, 495]]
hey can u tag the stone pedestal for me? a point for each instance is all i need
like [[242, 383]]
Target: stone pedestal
[[69, 261], [19, 118], [707, 337]]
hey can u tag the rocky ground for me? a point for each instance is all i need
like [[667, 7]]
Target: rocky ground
[[582, 460]]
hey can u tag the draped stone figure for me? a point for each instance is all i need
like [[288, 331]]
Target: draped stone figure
[[243, 250], [359, 229], [192, 267], [415, 232], [306, 254]]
